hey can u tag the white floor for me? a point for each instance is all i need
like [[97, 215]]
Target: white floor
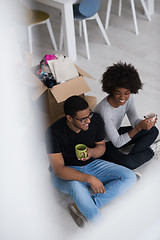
[[136, 214]]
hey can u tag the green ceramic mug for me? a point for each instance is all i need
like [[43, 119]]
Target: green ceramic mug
[[81, 148]]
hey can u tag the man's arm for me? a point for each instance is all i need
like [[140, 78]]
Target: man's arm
[[68, 173], [98, 150]]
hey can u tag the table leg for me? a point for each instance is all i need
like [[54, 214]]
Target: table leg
[[69, 31]]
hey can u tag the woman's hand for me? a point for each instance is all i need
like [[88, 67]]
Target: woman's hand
[[147, 124]]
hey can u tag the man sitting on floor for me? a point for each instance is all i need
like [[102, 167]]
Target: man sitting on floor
[[73, 176]]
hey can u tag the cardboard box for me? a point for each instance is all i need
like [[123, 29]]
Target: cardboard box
[[51, 100]]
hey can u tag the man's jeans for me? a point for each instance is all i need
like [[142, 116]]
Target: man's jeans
[[116, 179]]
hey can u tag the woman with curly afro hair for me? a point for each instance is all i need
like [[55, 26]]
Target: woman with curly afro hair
[[120, 82]]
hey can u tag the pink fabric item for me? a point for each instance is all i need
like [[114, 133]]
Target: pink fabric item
[[49, 57]]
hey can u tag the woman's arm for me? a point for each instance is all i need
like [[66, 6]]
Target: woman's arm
[[113, 134], [137, 123], [132, 113]]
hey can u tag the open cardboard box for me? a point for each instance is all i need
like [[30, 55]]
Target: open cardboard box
[[51, 100]]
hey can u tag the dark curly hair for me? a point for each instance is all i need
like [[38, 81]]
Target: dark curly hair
[[121, 75]]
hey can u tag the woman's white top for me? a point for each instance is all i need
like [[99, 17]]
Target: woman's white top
[[113, 118]]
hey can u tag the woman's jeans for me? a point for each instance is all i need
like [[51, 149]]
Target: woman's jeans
[[116, 179], [140, 152]]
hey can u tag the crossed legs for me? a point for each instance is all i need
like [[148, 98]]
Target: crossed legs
[[140, 152], [116, 179]]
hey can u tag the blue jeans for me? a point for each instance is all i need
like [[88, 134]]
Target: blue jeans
[[116, 179]]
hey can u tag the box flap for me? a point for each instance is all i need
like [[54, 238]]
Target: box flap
[[38, 92], [31, 79], [28, 58], [83, 73], [92, 101], [71, 87]]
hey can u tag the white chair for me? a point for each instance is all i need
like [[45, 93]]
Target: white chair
[[40, 17], [133, 12], [32, 18], [83, 11]]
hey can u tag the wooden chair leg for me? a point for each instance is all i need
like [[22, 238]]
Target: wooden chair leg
[[51, 34], [30, 39], [61, 40], [102, 28], [120, 8], [134, 16], [146, 10], [86, 38], [108, 13]]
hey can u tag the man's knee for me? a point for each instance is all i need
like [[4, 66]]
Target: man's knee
[[130, 176], [76, 187]]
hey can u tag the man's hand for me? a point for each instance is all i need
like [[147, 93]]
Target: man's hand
[[96, 151], [89, 154], [96, 184]]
